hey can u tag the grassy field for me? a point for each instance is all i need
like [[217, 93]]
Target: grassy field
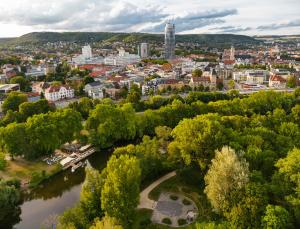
[[29, 173], [188, 182]]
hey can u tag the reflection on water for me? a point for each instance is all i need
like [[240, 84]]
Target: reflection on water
[[56, 195]]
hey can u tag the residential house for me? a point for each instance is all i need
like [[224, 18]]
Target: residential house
[[276, 81], [55, 93], [94, 90]]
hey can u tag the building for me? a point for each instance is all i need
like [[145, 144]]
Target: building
[[6, 88], [144, 50], [276, 81], [170, 41], [55, 93], [94, 90], [40, 87], [87, 57], [122, 59], [87, 52]]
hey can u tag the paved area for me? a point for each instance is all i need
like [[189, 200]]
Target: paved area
[[145, 202], [173, 209]]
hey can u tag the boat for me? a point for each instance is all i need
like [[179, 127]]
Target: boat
[[76, 166]]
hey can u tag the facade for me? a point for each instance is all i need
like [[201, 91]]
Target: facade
[[55, 93], [170, 41], [276, 81], [144, 50], [94, 90], [6, 88], [87, 52], [122, 59]]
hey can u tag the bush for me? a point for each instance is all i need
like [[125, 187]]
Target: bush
[[167, 221], [182, 222], [145, 223], [173, 197], [186, 202], [3, 162]]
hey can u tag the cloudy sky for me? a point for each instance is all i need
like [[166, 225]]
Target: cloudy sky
[[250, 17]]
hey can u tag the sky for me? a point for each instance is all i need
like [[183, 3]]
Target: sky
[[248, 17]]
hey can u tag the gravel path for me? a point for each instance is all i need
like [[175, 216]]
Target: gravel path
[[145, 202]]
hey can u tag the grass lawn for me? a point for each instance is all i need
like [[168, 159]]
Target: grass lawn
[[23, 170]]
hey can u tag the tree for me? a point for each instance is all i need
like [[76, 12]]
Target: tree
[[9, 200], [106, 223], [2, 161], [276, 217], [227, 173], [231, 84], [120, 193], [197, 73], [198, 138], [291, 82], [88, 79], [13, 101], [248, 206], [90, 195], [24, 84]]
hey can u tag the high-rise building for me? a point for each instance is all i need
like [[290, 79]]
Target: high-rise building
[[87, 52], [144, 50], [169, 41]]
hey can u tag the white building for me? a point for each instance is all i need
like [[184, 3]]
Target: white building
[[251, 76], [122, 59], [94, 90], [87, 52], [55, 93], [144, 50], [87, 57]]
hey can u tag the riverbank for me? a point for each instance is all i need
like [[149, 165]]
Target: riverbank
[[30, 173]]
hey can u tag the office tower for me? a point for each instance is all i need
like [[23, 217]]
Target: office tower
[[144, 50], [87, 52], [169, 41]]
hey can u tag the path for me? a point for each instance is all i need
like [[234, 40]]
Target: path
[[145, 202]]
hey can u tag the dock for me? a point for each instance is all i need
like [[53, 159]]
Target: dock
[[79, 157]]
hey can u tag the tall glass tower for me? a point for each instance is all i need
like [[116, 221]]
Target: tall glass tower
[[169, 41]]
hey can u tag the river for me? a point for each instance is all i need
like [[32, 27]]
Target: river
[[60, 192]]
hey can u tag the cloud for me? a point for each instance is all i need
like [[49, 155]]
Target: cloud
[[230, 29], [274, 26], [193, 20], [81, 15], [102, 15]]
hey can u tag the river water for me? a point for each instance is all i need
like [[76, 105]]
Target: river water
[[55, 195]]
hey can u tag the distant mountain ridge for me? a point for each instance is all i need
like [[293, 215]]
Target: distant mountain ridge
[[88, 37]]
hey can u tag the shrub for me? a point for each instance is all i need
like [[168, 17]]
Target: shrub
[[186, 202], [182, 222], [173, 197], [167, 221], [3, 162], [145, 223]]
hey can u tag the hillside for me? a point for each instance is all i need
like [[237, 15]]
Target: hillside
[[39, 38]]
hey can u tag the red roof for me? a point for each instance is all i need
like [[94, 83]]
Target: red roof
[[277, 78], [56, 88], [201, 79]]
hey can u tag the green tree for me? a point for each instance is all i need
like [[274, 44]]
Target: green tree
[[120, 193], [198, 138], [231, 84], [88, 79], [90, 195], [227, 173], [291, 82], [197, 73], [9, 200], [13, 101], [3, 162], [106, 223], [276, 217], [24, 84]]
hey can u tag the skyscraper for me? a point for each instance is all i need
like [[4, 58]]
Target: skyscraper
[[143, 50], [169, 41], [87, 52]]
